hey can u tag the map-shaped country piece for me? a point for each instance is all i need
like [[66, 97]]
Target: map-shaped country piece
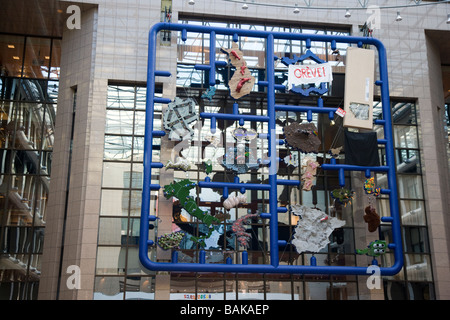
[[178, 118]]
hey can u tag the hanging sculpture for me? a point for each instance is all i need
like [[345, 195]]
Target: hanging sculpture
[[209, 93], [334, 152], [240, 159], [372, 218], [234, 200], [313, 228], [242, 81], [305, 79], [181, 190], [343, 195], [291, 159], [369, 187], [239, 230], [374, 249], [302, 137], [178, 117], [180, 164], [309, 174], [170, 240]]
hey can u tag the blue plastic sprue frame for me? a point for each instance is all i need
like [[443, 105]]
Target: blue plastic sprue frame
[[272, 216]]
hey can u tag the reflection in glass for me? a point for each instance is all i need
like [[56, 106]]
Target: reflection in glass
[[405, 136], [114, 202], [118, 147], [140, 288], [108, 288], [109, 261], [112, 231], [412, 212], [119, 121], [418, 267], [37, 58], [11, 55]]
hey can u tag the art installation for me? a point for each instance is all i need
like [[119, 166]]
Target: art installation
[[211, 219], [170, 240], [234, 200], [369, 187], [372, 218], [359, 88], [309, 174], [302, 137], [313, 228], [244, 134], [238, 228], [291, 159], [240, 159], [305, 79], [180, 164], [242, 81], [361, 148], [334, 152], [374, 249], [181, 190], [178, 118], [209, 93], [208, 166], [343, 196]]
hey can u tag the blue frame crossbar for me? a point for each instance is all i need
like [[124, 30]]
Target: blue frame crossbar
[[274, 267]]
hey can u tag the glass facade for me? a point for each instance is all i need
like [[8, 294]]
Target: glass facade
[[414, 282], [118, 271], [28, 96]]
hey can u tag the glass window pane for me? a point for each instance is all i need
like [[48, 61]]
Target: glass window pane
[[37, 58], [116, 175], [317, 290], [121, 97], [412, 212], [141, 97], [119, 121], [251, 289], [11, 55], [118, 148], [28, 125], [404, 113], [108, 288], [110, 260], [278, 290], [405, 136], [408, 161], [112, 231], [55, 62], [114, 202], [140, 288], [418, 267], [416, 239], [410, 186]]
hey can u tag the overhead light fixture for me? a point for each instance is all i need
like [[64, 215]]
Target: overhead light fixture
[[16, 58], [399, 18], [11, 46], [245, 6], [296, 10], [191, 2], [47, 57], [448, 18], [348, 14]]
